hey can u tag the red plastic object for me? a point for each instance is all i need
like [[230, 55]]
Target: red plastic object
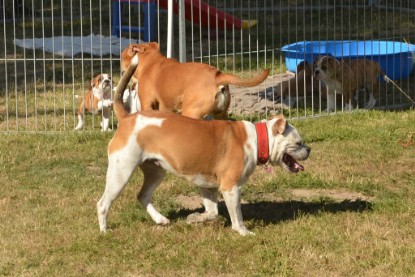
[[205, 14]]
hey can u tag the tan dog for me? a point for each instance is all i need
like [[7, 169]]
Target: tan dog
[[97, 100], [195, 89], [303, 85], [367, 73], [214, 155], [348, 76]]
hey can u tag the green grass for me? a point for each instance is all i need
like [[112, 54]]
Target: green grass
[[50, 184]]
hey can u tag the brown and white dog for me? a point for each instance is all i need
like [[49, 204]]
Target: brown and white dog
[[97, 100], [303, 85], [214, 155], [346, 77], [194, 89], [130, 98]]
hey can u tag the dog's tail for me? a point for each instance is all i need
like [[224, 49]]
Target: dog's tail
[[119, 110], [229, 79], [383, 75], [390, 81]]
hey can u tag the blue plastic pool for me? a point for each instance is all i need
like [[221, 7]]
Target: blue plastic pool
[[396, 58]]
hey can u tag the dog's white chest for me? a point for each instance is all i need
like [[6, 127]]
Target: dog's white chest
[[334, 86], [201, 181]]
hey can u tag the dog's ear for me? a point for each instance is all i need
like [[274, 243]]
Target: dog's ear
[[136, 48], [131, 49], [95, 80], [315, 62], [279, 125], [300, 66], [332, 61], [141, 48], [304, 66], [154, 45]]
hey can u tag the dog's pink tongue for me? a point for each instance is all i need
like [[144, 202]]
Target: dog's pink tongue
[[298, 166]]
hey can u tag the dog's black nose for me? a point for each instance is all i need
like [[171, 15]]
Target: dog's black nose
[[308, 149]]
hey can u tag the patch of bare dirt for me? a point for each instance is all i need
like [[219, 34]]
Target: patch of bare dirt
[[194, 202], [408, 141], [4, 202], [260, 98], [335, 194], [189, 202], [93, 168]]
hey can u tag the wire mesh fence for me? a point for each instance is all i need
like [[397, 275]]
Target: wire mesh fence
[[50, 51]]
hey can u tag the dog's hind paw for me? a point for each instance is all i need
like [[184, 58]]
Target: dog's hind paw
[[162, 221], [198, 217]]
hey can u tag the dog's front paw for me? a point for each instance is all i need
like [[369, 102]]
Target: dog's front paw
[[162, 221], [244, 232], [78, 127], [106, 130], [107, 103], [348, 107]]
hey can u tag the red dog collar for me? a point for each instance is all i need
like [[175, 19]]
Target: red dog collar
[[262, 141]]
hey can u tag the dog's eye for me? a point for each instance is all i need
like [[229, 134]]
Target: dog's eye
[[299, 143], [324, 67]]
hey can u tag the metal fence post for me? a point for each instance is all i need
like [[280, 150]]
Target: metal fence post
[[182, 32]]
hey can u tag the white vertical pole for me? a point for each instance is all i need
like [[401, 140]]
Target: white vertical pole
[[169, 28], [182, 32]]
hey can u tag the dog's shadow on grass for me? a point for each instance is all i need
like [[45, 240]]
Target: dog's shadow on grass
[[268, 212], [275, 212]]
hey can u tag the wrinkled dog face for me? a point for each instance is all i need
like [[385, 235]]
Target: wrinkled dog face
[[101, 86], [102, 82], [288, 149], [325, 68], [105, 82]]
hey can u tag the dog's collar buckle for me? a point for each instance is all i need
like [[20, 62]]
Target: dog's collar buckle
[[262, 142]]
